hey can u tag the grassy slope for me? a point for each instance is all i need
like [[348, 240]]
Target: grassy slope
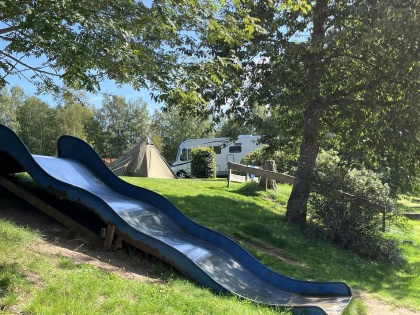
[[35, 283], [409, 204], [260, 218], [61, 285]]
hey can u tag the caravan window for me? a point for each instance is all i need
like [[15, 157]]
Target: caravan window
[[217, 149], [184, 155], [237, 148]]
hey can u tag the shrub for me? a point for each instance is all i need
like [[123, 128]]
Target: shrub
[[250, 188], [347, 205], [285, 163], [203, 162]]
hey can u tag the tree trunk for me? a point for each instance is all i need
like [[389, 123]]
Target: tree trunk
[[297, 204]]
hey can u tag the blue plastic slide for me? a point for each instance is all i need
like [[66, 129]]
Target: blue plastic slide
[[153, 224]]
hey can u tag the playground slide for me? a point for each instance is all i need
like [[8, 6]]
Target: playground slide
[[153, 224]]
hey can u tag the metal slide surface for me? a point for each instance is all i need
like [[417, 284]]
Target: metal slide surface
[[152, 223]]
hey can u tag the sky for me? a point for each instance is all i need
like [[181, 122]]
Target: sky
[[96, 99], [107, 86]]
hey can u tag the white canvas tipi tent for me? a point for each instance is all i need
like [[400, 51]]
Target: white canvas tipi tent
[[142, 160]]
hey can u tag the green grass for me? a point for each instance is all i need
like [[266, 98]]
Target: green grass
[[33, 283], [14, 261], [260, 218], [92, 291], [409, 203]]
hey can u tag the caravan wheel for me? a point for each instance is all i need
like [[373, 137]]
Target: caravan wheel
[[181, 174]]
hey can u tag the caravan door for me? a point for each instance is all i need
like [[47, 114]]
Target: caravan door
[[234, 150], [230, 158]]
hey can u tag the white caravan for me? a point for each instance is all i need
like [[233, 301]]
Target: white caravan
[[225, 149]]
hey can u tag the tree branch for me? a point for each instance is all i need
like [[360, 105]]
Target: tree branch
[[5, 38], [20, 62], [10, 29], [329, 58]]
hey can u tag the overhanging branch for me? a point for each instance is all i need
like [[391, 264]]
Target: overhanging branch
[[9, 29], [34, 69]]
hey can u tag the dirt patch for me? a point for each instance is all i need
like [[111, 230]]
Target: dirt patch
[[57, 240], [378, 307]]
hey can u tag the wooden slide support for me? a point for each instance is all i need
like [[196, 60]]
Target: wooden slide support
[[55, 213]]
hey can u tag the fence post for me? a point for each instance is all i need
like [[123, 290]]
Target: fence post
[[383, 218]]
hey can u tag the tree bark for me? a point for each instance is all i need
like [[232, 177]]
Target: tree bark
[[297, 203]]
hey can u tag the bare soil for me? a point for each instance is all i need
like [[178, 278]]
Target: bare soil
[[380, 308], [60, 241]]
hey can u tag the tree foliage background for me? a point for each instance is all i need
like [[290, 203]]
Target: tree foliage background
[[173, 128], [112, 129], [118, 125]]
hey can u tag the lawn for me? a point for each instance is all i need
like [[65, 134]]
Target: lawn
[[33, 283], [410, 204], [250, 217]]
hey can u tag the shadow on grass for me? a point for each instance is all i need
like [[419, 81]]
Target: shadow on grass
[[10, 277], [326, 262], [408, 209]]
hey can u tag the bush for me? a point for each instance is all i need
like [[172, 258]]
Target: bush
[[203, 162], [250, 188], [347, 205], [285, 163]]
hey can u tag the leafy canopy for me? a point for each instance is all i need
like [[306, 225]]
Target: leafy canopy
[[80, 43], [342, 74]]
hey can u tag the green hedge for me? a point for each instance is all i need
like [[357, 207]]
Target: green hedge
[[203, 162]]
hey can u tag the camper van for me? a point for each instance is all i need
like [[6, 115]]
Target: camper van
[[225, 149]]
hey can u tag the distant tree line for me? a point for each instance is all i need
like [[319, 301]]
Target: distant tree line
[[112, 129]]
